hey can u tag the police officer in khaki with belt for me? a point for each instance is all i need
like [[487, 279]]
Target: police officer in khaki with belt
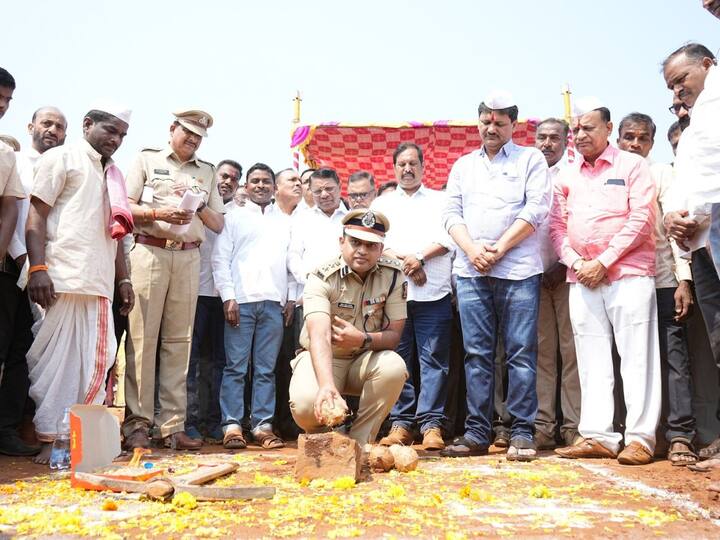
[[165, 268], [355, 310]]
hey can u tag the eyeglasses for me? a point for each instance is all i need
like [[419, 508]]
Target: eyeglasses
[[675, 108], [360, 196]]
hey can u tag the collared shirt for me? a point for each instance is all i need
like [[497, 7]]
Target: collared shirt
[[669, 266], [249, 259], [487, 196], [26, 161], [415, 223], [547, 251], [606, 212], [207, 284], [369, 304], [697, 163], [314, 240], [79, 251], [151, 181], [10, 184]]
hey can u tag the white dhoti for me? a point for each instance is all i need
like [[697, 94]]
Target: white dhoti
[[70, 358], [625, 309]]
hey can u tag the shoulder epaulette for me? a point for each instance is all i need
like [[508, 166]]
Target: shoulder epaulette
[[206, 162], [392, 262], [326, 270], [151, 150]]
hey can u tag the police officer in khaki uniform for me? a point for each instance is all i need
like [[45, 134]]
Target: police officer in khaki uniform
[[165, 268], [355, 310]]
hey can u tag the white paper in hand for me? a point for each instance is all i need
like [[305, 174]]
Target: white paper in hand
[[190, 201]]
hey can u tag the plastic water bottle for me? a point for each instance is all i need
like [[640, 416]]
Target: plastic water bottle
[[60, 453]]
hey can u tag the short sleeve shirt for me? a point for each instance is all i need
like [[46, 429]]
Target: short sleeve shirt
[[369, 305], [79, 251], [152, 180], [10, 184]]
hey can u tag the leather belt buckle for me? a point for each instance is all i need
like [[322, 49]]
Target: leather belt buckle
[[173, 245]]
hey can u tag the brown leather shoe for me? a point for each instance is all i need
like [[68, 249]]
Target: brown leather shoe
[[397, 435], [587, 448], [181, 441], [432, 439], [635, 453], [140, 438]]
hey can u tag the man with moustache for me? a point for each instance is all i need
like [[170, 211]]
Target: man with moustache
[[165, 262], [673, 291], [207, 353], [75, 261], [251, 275], [289, 191], [14, 309], [361, 190], [693, 217], [554, 327], [419, 241], [498, 196], [602, 225]]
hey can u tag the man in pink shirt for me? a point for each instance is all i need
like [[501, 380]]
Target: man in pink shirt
[[602, 226]]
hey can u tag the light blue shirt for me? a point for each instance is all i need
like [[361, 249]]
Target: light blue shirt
[[487, 196]]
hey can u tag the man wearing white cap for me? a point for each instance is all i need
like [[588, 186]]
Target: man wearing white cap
[[602, 225], [78, 210], [498, 196], [173, 196], [355, 310]]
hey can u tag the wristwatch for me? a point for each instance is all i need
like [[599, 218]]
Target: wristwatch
[[367, 341], [201, 207], [420, 257]]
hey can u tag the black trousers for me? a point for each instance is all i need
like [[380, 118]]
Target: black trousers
[[677, 416], [15, 340], [707, 287]]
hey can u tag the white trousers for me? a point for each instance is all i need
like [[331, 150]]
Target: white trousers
[[626, 310]]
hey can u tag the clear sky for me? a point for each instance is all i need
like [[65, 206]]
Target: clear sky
[[370, 61]]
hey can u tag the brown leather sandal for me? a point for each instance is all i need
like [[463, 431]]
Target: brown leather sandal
[[268, 440], [681, 454], [234, 440]]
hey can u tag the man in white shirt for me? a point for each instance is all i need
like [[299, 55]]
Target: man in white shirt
[[250, 272], [361, 190], [692, 74], [554, 328], [419, 240], [289, 191], [307, 200], [207, 353], [636, 134]]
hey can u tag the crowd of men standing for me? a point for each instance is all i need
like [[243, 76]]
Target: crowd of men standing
[[245, 306]]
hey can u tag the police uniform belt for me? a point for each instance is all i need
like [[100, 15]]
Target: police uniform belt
[[172, 245]]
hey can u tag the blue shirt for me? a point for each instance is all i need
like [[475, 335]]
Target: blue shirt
[[487, 196]]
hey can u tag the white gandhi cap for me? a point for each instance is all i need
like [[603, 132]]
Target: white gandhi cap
[[119, 111], [585, 105], [499, 99]]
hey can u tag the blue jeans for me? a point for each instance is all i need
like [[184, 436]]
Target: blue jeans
[[425, 343], [259, 335], [207, 361], [491, 308]]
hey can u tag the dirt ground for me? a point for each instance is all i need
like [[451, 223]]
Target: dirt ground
[[444, 498]]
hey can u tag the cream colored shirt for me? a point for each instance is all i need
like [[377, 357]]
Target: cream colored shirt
[[150, 183], [10, 185], [669, 266], [79, 251]]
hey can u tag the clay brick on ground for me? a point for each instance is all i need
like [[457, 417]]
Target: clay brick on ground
[[327, 455]]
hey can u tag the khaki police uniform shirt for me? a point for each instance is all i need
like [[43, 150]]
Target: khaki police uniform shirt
[[368, 305], [10, 185], [150, 183]]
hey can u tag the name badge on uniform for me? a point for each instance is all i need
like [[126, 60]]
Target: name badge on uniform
[[346, 305], [147, 194], [615, 182], [162, 171]]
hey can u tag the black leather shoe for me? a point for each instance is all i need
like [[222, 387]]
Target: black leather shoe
[[140, 438], [462, 447], [12, 445]]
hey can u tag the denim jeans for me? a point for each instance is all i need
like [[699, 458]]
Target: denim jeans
[[207, 361], [492, 308], [425, 344], [259, 335]]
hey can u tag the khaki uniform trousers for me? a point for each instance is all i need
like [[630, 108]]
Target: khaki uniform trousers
[[554, 328], [376, 376], [166, 287]]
